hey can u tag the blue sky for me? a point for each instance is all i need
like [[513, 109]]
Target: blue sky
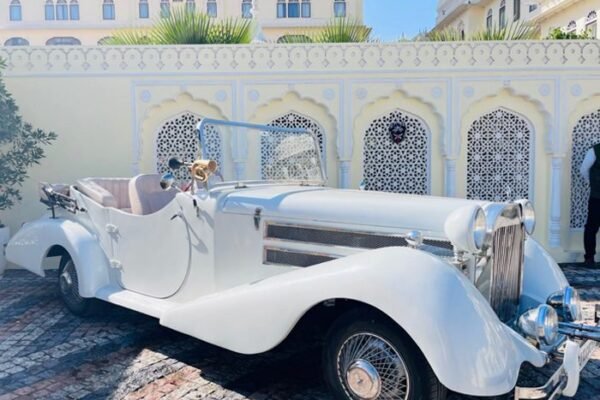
[[392, 18]]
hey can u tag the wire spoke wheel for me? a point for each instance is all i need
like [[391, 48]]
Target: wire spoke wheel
[[371, 368], [69, 285]]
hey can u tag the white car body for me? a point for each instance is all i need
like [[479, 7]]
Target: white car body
[[200, 264]]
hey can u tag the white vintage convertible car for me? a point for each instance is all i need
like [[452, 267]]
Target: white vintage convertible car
[[416, 295]]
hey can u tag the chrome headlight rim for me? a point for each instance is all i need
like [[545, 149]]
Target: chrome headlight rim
[[527, 215], [479, 229], [568, 304], [466, 228], [541, 325]]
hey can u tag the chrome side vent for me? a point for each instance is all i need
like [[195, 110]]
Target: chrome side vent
[[333, 237], [294, 258], [506, 272]]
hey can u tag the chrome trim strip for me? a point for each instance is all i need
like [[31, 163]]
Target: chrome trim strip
[[267, 249], [558, 381]]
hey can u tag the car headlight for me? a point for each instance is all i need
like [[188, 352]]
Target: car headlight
[[567, 303], [466, 228], [540, 324], [527, 215]]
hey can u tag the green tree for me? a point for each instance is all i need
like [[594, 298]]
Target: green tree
[[21, 146], [559, 34]]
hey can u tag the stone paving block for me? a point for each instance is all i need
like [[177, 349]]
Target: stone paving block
[[120, 354]]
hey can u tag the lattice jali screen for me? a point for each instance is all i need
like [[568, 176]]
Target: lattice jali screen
[[396, 167], [499, 157], [269, 144], [585, 135], [178, 138]]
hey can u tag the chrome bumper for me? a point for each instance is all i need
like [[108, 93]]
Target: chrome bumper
[[566, 379]]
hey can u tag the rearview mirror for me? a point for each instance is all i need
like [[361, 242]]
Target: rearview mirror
[[176, 163], [167, 181]]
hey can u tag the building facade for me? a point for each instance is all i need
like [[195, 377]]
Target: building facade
[[470, 16], [90, 22], [484, 120]]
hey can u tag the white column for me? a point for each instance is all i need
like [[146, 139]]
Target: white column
[[240, 170], [555, 206], [344, 174], [450, 178]]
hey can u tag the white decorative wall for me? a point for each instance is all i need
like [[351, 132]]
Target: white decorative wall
[[125, 110]]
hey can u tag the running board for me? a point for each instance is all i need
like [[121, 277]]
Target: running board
[[134, 301]]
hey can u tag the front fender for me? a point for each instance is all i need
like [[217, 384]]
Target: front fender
[[30, 245], [469, 349]]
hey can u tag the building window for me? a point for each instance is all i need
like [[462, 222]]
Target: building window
[[74, 10], [502, 15], [211, 8], [144, 9], [489, 21], [293, 8], [108, 9], [62, 10], [516, 10], [339, 8], [15, 10], [63, 41], [306, 9], [16, 41], [246, 8], [165, 9], [190, 6], [281, 9], [591, 24], [572, 27], [49, 10]]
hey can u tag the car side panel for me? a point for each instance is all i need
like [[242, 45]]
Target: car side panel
[[30, 245], [469, 349]]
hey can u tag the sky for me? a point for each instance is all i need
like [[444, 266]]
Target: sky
[[390, 19]]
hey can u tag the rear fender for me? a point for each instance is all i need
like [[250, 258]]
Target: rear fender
[[469, 349], [30, 246]]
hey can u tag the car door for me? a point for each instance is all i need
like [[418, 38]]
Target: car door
[[151, 252]]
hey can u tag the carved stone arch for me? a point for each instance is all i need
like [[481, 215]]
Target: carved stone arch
[[585, 133], [294, 111], [168, 129], [500, 157], [406, 167]]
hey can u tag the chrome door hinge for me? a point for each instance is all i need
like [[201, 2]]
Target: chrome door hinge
[[257, 217]]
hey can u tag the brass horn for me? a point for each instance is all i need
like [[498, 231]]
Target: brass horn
[[203, 169]]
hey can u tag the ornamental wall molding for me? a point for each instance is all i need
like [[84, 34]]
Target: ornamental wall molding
[[156, 115], [490, 102], [261, 58], [307, 106], [399, 99]]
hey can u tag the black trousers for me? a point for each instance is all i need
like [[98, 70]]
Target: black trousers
[[591, 227]]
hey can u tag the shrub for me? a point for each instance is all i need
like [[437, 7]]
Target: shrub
[[559, 34]]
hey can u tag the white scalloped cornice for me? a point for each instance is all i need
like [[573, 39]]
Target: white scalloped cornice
[[300, 58]]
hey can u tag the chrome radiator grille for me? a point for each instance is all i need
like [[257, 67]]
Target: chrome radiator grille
[[506, 270]]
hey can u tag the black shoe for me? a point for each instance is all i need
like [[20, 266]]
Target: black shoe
[[589, 262]]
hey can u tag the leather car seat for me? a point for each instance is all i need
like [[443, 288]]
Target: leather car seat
[[146, 195]]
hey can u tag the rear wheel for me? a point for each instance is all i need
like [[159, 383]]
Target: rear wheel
[[367, 357], [68, 285]]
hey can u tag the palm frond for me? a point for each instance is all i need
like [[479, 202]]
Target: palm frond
[[295, 38], [232, 31], [445, 35], [343, 30], [183, 27], [128, 38], [514, 31]]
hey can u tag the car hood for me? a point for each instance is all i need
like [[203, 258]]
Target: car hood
[[337, 207]]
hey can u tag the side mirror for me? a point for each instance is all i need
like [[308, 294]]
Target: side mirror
[[176, 163], [167, 181]]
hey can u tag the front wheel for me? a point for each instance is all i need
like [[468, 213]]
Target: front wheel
[[68, 285], [367, 357]]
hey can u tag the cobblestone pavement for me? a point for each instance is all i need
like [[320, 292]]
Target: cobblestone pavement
[[47, 353]]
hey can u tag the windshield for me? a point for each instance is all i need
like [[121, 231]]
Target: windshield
[[261, 153]]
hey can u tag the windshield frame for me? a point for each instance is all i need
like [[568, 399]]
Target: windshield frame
[[263, 128]]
